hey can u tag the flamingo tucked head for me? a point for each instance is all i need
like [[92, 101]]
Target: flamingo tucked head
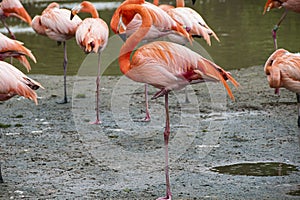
[[273, 71], [272, 4]]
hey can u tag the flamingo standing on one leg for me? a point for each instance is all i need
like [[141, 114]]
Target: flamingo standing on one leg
[[283, 70], [14, 82], [293, 5], [92, 36], [13, 8], [14, 48], [162, 25], [56, 24], [166, 66]]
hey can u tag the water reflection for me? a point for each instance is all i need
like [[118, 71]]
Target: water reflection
[[244, 32]]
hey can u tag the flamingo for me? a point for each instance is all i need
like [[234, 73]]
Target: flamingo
[[193, 22], [56, 24], [283, 70], [293, 5], [13, 8], [15, 48], [14, 82], [162, 25], [92, 36], [166, 66]]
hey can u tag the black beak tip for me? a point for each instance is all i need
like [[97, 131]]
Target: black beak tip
[[71, 17]]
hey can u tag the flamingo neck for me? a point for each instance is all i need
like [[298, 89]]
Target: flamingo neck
[[89, 8], [136, 37], [180, 3], [156, 2]]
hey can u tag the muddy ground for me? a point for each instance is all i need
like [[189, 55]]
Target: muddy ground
[[50, 151]]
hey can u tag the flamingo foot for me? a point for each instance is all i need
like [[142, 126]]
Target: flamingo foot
[[97, 122], [169, 197], [63, 101]]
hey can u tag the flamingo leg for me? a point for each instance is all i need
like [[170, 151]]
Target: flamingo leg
[[298, 106], [186, 96], [7, 28], [276, 27], [147, 118], [98, 121], [65, 64], [1, 179], [166, 139]]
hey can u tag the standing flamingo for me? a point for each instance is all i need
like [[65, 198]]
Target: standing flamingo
[[13, 8], [14, 82], [163, 25], [166, 66], [293, 5], [283, 70], [14, 48], [56, 24], [92, 36]]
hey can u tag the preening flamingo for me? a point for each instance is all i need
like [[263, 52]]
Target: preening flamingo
[[166, 66], [13, 8], [15, 48], [163, 25], [283, 70], [293, 5], [92, 36], [56, 24]]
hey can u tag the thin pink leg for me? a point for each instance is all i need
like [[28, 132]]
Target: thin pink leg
[[166, 139], [98, 121], [65, 64], [147, 118]]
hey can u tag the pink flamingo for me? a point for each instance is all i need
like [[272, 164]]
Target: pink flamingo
[[283, 70], [92, 36], [166, 66], [13, 82], [293, 5], [13, 8], [163, 25], [56, 24], [15, 48]]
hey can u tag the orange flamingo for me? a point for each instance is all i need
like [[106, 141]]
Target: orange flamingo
[[13, 8], [14, 82], [283, 70], [92, 36], [56, 24], [162, 25], [293, 5], [14, 48], [166, 66]]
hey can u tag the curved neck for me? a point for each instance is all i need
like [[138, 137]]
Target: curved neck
[[89, 8], [129, 11], [179, 3]]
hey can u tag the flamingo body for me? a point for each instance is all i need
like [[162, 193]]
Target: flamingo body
[[14, 48], [14, 82], [14, 8], [162, 25], [283, 70]]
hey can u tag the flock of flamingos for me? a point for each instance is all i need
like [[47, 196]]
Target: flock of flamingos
[[165, 65]]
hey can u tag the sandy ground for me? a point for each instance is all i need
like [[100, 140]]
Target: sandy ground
[[50, 151]]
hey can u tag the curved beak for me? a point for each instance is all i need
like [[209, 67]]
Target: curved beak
[[75, 11]]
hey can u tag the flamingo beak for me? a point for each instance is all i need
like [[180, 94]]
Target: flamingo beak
[[268, 6], [75, 11], [121, 29]]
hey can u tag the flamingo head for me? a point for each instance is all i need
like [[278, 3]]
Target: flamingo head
[[272, 4]]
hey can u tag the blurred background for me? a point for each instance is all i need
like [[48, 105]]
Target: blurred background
[[244, 32]]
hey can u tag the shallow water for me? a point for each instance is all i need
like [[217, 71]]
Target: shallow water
[[244, 32], [257, 169]]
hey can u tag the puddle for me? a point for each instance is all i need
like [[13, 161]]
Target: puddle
[[257, 169]]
